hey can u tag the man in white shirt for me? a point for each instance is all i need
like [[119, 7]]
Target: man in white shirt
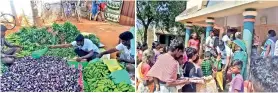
[[84, 48], [209, 41], [124, 48], [224, 52]]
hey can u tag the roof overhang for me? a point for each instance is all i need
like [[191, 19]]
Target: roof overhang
[[174, 31], [224, 9]]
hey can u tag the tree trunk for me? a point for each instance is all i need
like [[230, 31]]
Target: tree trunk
[[145, 34], [201, 46]]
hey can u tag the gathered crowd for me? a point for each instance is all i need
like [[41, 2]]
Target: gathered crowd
[[221, 68]]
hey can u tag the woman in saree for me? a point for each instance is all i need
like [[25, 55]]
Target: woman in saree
[[145, 84], [269, 45], [239, 52]]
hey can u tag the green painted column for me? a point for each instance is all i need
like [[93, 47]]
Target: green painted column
[[188, 26], [210, 23], [248, 26]]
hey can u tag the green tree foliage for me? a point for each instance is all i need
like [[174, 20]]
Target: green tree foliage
[[146, 13], [160, 13]]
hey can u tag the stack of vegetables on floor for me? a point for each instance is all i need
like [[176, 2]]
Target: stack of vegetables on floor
[[96, 76], [100, 79], [33, 38]]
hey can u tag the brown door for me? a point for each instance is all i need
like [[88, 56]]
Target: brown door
[[128, 13]]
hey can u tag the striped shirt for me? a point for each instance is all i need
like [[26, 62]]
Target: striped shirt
[[207, 67]]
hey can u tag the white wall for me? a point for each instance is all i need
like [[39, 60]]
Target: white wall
[[5, 6], [19, 7]]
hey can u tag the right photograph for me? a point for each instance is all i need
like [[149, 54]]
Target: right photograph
[[207, 46]]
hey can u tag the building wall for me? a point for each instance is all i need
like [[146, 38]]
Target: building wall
[[17, 7], [261, 30], [237, 20]]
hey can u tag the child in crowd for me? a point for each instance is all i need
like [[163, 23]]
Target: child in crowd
[[207, 64], [209, 70], [240, 53], [237, 84]]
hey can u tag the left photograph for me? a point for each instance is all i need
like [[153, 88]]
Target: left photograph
[[67, 46]]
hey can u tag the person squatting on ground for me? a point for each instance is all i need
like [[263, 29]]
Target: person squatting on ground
[[124, 48], [145, 84], [165, 70], [7, 55], [84, 48]]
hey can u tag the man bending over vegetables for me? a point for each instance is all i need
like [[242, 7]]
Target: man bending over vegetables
[[7, 55], [84, 48], [124, 47]]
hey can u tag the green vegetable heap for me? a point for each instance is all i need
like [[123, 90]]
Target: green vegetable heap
[[98, 80], [33, 38]]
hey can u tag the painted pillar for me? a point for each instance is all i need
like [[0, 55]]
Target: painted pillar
[[210, 21], [248, 26], [187, 33]]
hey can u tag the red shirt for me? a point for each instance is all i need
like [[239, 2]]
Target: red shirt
[[145, 69], [194, 44]]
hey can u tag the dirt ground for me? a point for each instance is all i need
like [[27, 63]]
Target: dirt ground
[[107, 32]]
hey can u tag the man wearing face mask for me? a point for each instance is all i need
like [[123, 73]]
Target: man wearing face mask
[[84, 48], [124, 48]]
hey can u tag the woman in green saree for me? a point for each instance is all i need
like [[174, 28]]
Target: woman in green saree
[[240, 54]]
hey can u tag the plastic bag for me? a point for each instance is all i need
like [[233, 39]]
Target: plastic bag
[[113, 64], [75, 64], [95, 60], [120, 76], [219, 79], [39, 53]]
